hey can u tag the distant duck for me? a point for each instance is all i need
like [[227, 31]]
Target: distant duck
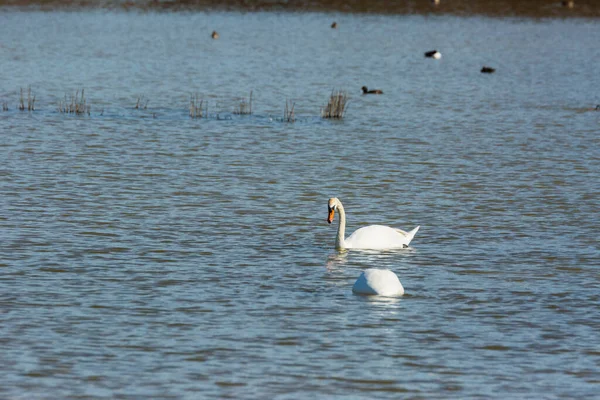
[[367, 91], [433, 54], [382, 282], [488, 70], [334, 25], [214, 35], [568, 4], [598, 107]]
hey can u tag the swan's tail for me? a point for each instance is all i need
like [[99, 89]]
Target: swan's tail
[[409, 235]]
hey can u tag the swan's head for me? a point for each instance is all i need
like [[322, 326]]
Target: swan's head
[[334, 203]]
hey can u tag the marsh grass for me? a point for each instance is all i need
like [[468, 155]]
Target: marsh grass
[[142, 103], [245, 106], [336, 107], [288, 112], [30, 100], [196, 110], [76, 104]]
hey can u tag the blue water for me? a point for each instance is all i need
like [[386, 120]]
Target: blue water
[[146, 254]]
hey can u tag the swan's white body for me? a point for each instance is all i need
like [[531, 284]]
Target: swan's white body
[[382, 282], [369, 237]]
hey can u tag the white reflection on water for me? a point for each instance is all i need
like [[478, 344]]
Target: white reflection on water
[[337, 260], [381, 301]]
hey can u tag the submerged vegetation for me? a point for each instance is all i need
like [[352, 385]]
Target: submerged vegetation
[[336, 107]]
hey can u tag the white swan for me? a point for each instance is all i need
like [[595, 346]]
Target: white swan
[[382, 282], [369, 237]]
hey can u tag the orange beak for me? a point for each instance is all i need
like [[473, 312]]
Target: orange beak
[[330, 216]]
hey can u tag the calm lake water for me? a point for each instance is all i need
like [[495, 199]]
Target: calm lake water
[[145, 254]]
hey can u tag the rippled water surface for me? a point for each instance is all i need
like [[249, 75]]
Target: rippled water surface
[[145, 254]]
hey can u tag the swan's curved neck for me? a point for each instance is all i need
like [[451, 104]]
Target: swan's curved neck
[[340, 243]]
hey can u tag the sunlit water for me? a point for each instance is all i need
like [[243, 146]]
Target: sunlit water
[[145, 254]]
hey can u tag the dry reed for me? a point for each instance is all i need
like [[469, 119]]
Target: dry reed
[[245, 107], [142, 103], [288, 112], [30, 101], [196, 107], [75, 105], [336, 106]]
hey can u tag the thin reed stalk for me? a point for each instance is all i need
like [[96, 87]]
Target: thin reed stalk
[[142, 103], [245, 106], [288, 113], [196, 107], [76, 104], [30, 100], [336, 107]]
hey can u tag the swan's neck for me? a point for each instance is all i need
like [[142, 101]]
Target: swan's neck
[[340, 243]]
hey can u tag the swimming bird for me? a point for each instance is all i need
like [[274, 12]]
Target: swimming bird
[[568, 4], [433, 54], [368, 237], [374, 91], [214, 35], [334, 25], [488, 70], [382, 282]]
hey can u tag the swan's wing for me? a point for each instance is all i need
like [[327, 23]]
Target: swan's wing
[[408, 235], [377, 237]]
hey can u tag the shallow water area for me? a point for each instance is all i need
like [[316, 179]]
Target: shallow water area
[[148, 254]]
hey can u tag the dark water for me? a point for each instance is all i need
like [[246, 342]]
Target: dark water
[[145, 254], [496, 8]]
